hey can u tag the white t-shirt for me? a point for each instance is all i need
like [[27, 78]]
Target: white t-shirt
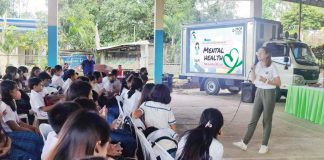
[[66, 85], [110, 86], [57, 81], [9, 116], [216, 149], [36, 102], [96, 87], [270, 73], [130, 104], [157, 114], [49, 144]]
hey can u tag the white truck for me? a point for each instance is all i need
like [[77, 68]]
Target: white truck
[[220, 55]]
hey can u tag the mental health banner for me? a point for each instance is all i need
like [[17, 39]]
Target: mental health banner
[[217, 50]]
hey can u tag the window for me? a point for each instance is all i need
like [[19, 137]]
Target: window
[[276, 49]]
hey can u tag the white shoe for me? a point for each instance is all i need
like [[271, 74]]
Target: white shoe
[[263, 149], [240, 145]]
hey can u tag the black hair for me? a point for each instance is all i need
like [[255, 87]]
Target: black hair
[[97, 75], [43, 76], [78, 89], [103, 74], [143, 70], [79, 136], [136, 85], [91, 78], [149, 130], [87, 104], [70, 73], [95, 96], [7, 86], [8, 77], [57, 68], [11, 70], [60, 113], [33, 82], [83, 78], [23, 69], [146, 92], [161, 93], [32, 73], [144, 78], [200, 138], [114, 72]]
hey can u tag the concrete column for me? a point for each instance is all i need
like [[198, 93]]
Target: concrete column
[[52, 33], [158, 41], [256, 8]]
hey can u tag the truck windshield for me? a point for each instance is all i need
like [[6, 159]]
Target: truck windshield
[[302, 53]]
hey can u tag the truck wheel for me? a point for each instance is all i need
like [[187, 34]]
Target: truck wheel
[[212, 86], [278, 94]]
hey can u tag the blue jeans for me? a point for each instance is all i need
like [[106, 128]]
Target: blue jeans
[[25, 145]]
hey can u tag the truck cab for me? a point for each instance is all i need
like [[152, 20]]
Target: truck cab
[[295, 62]]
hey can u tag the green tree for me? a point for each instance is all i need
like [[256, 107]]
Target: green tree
[[77, 30], [4, 4], [312, 18], [9, 41]]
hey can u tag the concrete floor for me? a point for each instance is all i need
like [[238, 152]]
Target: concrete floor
[[291, 139]]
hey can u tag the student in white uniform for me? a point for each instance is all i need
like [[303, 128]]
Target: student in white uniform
[[201, 142], [37, 101], [46, 80], [10, 120], [158, 113], [71, 76], [132, 98], [57, 79]]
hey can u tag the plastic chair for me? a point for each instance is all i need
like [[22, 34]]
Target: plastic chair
[[44, 130], [24, 116]]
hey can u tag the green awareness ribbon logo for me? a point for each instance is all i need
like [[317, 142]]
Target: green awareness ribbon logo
[[231, 59]]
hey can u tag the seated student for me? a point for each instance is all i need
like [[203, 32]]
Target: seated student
[[56, 118], [37, 101], [71, 76], [113, 86], [57, 80], [46, 81], [10, 121], [158, 113], [35, 72], [201, 142], [24, 77], [11, 73], [165, 137], [83, 134], [132, 99]]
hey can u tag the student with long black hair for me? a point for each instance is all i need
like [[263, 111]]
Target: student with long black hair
[[133, 96], [201, 142], [10, 120], [83, 134]]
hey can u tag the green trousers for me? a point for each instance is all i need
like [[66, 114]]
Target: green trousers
[[264, 102]]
